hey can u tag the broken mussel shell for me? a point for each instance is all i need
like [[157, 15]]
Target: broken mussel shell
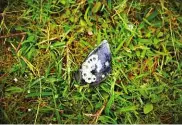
[[96, 67]]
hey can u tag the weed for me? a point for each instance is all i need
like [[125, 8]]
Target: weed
[[44, 42]]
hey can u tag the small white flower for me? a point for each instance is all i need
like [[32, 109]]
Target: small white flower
[[29, 110], [15, 80], [90, 33], [28, 91], [130, 26], [26, 76], [9, 49]]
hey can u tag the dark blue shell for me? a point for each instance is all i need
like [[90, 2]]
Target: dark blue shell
[[94, 72]]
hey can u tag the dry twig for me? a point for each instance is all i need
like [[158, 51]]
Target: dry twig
[[12, 35]]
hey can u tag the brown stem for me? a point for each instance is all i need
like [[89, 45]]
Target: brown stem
[[13, 35]]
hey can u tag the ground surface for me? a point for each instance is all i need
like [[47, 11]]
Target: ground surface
[[43, 42]]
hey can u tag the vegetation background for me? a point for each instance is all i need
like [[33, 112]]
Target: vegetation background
[[42, 42]]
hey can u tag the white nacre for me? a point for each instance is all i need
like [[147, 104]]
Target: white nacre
[[107, 64], [99, 66], [93, 59], [93, 78], [89, 65], [103, 76]]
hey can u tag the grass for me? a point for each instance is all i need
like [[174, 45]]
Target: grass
[[44, 42]]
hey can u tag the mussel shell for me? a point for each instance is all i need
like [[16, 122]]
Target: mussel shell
[[102, 66]]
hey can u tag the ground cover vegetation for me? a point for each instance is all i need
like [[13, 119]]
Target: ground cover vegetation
[[43, 42]]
